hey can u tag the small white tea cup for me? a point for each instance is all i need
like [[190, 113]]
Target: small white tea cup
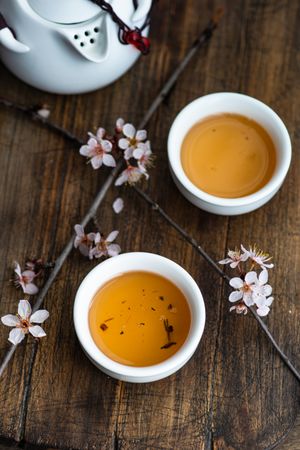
[[229, 102], [138, 261]]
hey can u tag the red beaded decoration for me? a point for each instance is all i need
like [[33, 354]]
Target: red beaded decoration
[[135, 38], [126, 35]]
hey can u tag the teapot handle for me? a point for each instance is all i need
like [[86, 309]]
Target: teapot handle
[[142, 11], [8, 40]]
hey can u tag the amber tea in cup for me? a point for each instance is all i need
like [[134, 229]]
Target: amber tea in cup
[[228, 155], [139, 318]]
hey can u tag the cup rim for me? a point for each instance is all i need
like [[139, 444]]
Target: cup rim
[[170, 365], [176, 166]]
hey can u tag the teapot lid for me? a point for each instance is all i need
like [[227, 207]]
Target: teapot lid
[[65, 11]]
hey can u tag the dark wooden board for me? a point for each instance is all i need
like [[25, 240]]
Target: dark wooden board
[[235, 393]]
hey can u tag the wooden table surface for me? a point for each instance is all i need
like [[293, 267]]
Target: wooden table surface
[[235, 393]]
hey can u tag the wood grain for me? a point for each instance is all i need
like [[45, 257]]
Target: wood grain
[[234, 393]]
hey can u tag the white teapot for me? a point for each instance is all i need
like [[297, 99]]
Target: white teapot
[[67, 46]]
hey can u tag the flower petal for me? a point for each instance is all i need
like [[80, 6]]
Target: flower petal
[[30, 289], [266, 290], [84, 150], [235, 296], [251, 277], [37, 331], [39, 316], [109, 160], [141, 135], [112, 236], [123, 178], [225, 261], [17, 269], [269, 301], [100, 133], [10, 320], [248, 299], [129, 130], [263, 276], [24, 309], [260, 301], [263, 311], [138, 153], [123, 143], [119, 124], [113, 249], [96, 162], [106, 146], [79, 230], [118, 205], [92, 143], [128, 153], [29, 275], [245, 250], [236, 282], [16, 336]]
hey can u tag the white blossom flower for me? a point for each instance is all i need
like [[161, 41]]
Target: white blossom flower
[[258, 256], [98, 150], [144, 156], [263, 305], [251, 288], [25, 280], [105, 247], [24, 321], [133, 139], [234, 258], [118, 205], [83, 241], [130, 175]]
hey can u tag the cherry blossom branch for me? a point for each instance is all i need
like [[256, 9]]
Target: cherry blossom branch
[[35, 114]]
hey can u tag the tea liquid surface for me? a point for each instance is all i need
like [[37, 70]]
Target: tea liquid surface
[[228, 155], [139, 318]]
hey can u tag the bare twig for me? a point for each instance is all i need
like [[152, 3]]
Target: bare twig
[[200, 41]]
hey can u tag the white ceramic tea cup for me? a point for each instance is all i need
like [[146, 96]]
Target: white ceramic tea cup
[[229, 102], [118, 265]]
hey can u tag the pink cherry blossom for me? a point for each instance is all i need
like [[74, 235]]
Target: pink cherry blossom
[[25, 280], [98, 150], [234, 258], [250, 288], [23, 322], [82, 241], [144, 156], [252, 291], [130, 175], [105, 247], [133, 139], [258, 256]]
